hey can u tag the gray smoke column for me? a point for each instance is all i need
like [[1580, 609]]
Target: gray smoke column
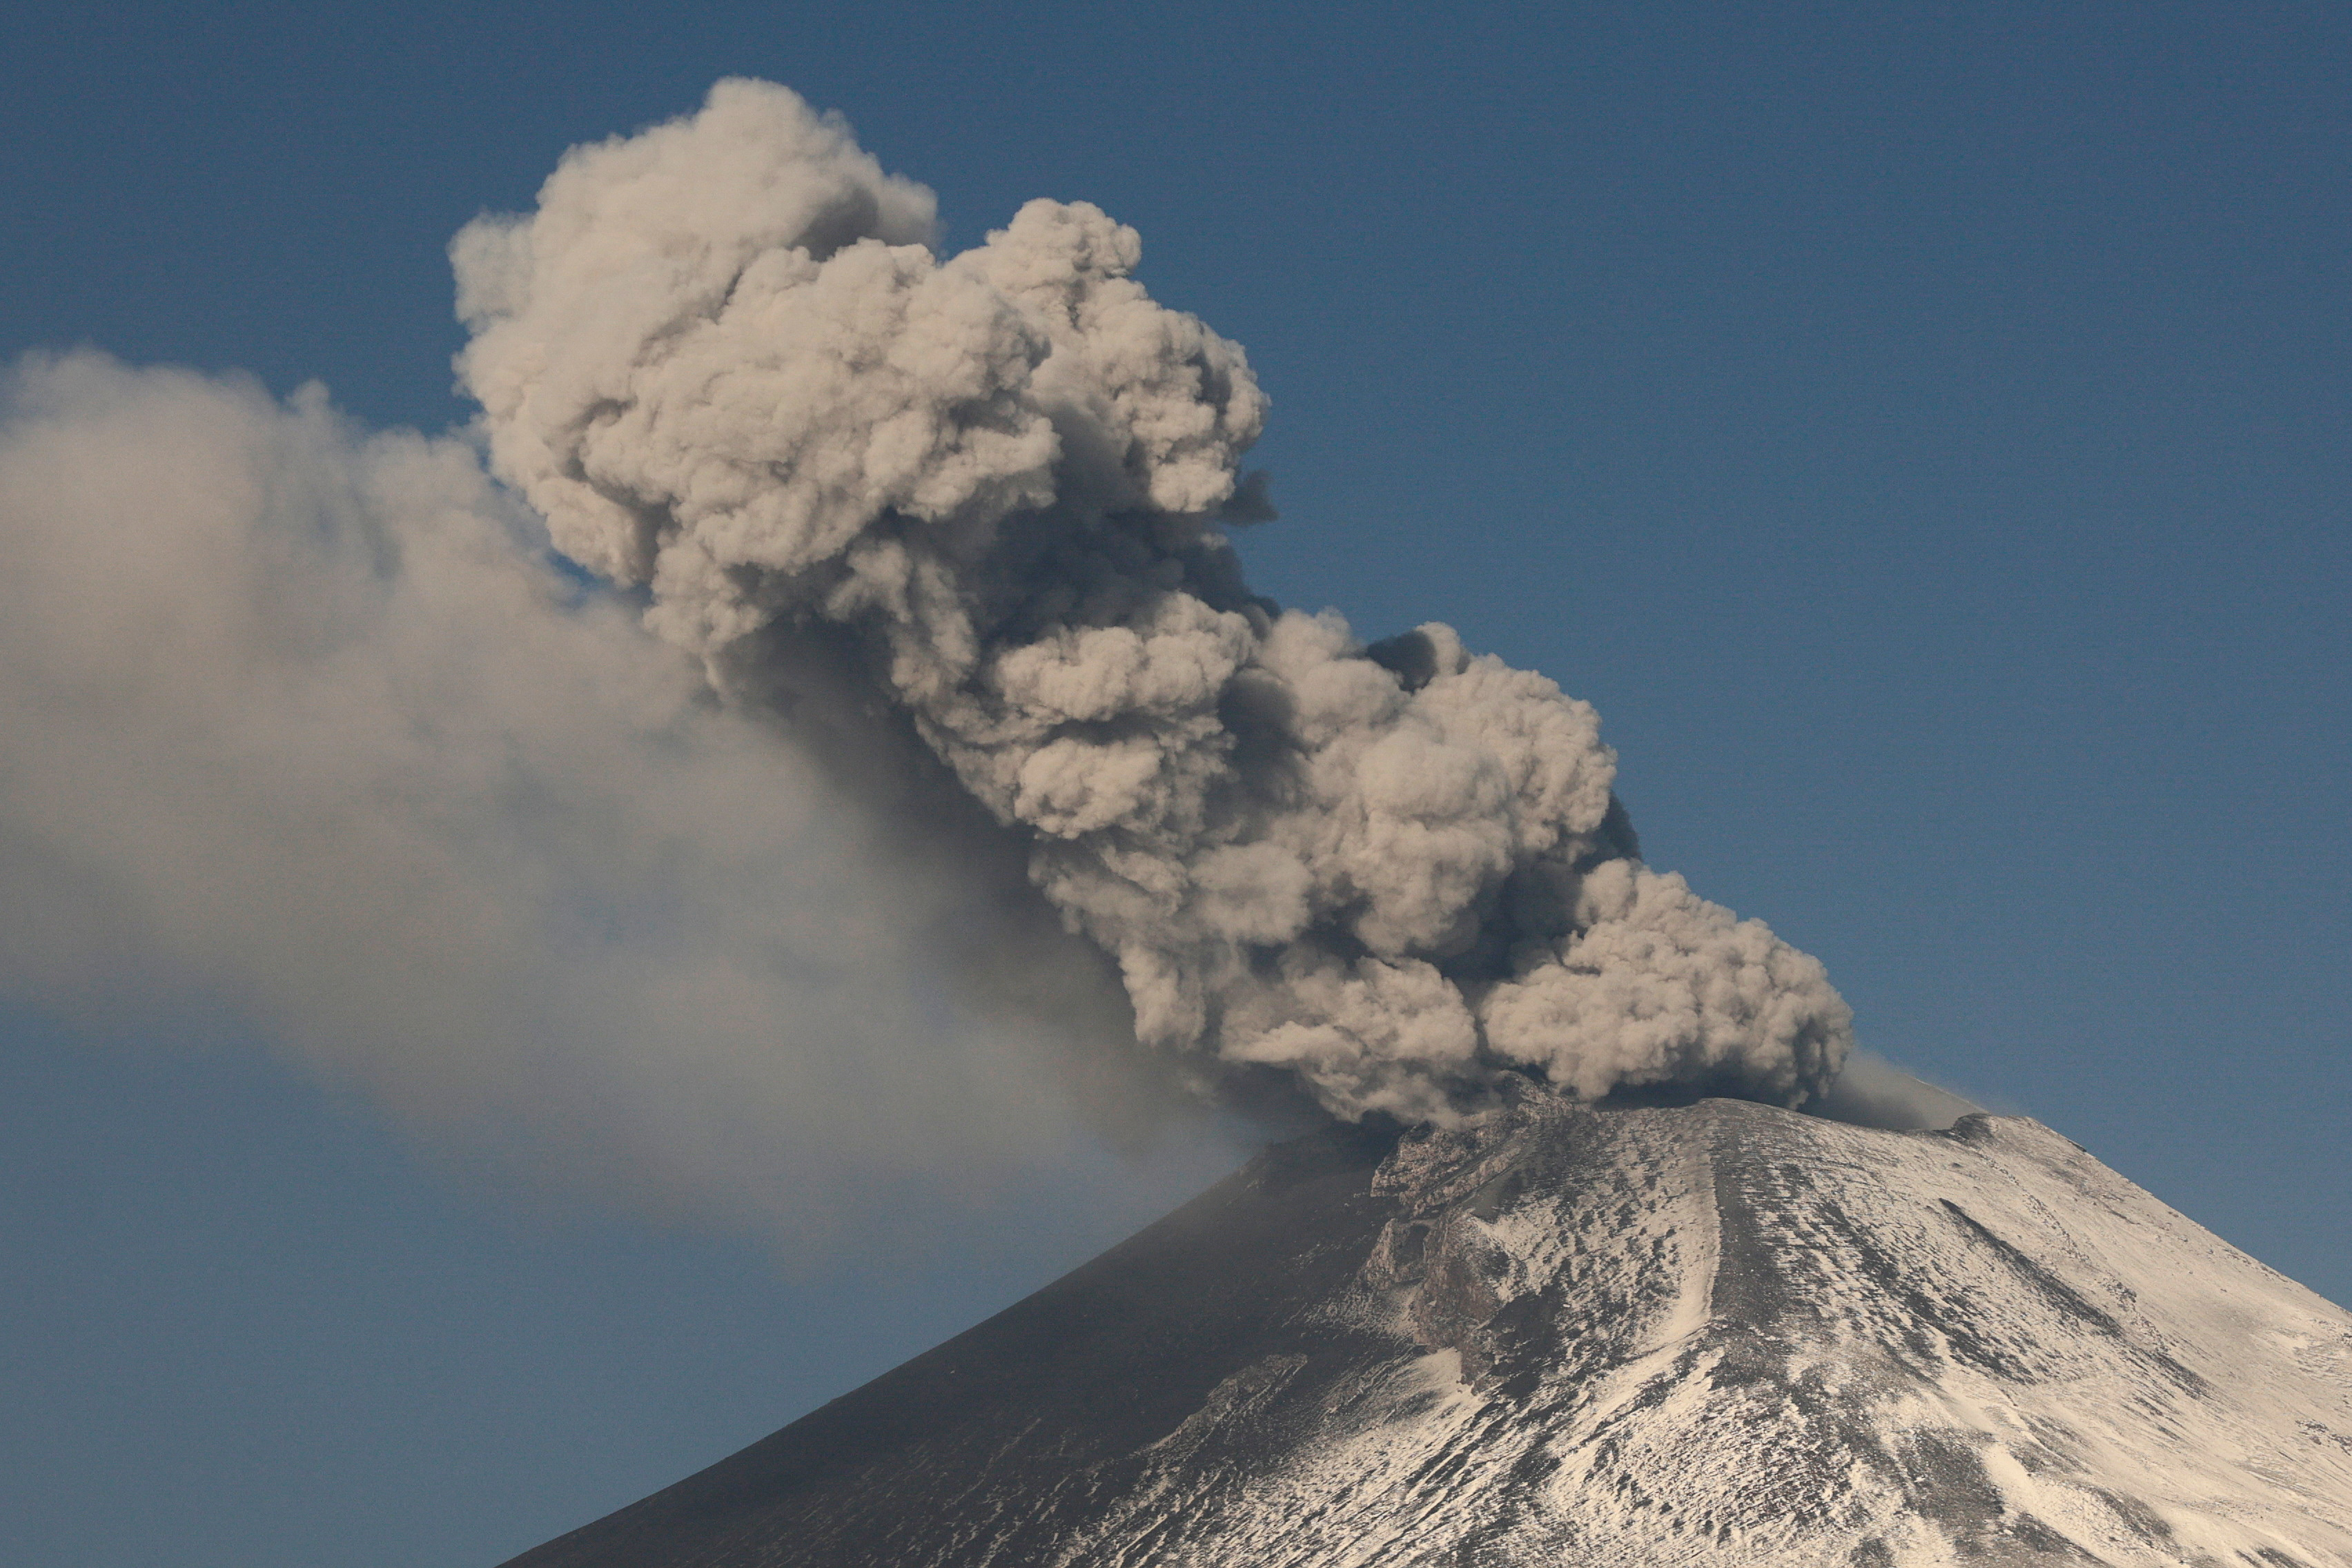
[[724, 361]]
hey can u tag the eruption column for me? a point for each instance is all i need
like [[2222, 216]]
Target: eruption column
[[724, 361]]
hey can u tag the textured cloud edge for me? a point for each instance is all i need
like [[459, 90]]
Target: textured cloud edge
[[724, 362], [905, 780]]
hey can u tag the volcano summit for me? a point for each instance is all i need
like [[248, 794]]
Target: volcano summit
[[1716, 1334]]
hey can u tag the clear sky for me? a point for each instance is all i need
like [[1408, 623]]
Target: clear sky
[[1922, 431]]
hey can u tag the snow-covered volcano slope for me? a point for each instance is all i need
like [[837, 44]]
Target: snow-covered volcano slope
[[1718, 1334]]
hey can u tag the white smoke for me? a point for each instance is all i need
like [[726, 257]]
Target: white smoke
[[722, 361], [300, 720]]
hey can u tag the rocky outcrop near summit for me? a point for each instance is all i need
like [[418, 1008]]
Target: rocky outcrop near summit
[[1719, 1334]]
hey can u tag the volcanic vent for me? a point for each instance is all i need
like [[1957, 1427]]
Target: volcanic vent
[[1721, 1335]]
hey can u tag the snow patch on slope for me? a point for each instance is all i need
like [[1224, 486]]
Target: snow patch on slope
[[1773, 1344]]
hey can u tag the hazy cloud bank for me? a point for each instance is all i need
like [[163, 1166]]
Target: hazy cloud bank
[[299, 721]]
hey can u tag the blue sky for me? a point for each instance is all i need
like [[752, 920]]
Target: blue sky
[[1922, 431]]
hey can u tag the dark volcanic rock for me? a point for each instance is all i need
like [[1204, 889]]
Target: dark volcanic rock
[[1720, 1334]]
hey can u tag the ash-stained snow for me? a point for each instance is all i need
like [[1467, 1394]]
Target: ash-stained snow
[[1721, 1335], [1725, 1335]]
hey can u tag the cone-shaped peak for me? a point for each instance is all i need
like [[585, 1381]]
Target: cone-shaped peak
[[1719, 1333]]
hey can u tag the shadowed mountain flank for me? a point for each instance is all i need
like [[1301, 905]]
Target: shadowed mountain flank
[[1715, 1334]]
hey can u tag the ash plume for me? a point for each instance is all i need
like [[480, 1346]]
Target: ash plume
[[306, 732], [984, 495], [915, 795]]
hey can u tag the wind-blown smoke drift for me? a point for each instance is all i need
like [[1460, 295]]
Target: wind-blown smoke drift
[[302, 723], [723, 362]]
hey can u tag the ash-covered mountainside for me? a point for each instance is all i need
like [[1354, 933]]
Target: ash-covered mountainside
[[1722, 1334]]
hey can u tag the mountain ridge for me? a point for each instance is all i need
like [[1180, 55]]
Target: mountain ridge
[[1721, 1333]]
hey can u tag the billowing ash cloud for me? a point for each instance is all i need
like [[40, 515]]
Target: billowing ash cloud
[[985, 494]]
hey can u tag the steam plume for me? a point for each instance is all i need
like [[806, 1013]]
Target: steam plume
[[723, 362]]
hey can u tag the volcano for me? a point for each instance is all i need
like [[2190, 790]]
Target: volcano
[[1719, 1334]]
